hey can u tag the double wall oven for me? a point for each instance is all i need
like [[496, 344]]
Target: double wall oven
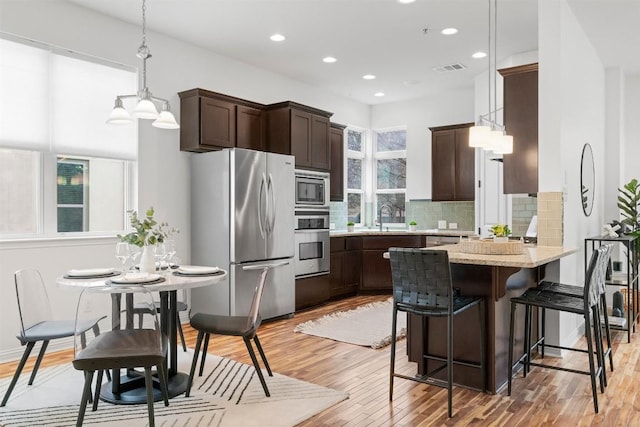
[[311, 223]]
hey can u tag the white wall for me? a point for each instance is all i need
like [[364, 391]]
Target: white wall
[[163, 169], [439, 109], [571, 113]]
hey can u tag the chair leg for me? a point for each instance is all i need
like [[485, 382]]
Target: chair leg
[[450, 364], [527, 339], [204, 354], [394, 322], [543, 326], [510, 367], [256, 366], [162, 375], [194, 363], [179, 326], [96, 394], [592, 368], [43, 349], [264, 358], [16, 375], [148, 381], [86, 392], [607, 329], [597, 335]]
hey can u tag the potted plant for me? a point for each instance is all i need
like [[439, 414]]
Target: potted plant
[[412, 225], [350, 226], [147, 232], [501, 233]]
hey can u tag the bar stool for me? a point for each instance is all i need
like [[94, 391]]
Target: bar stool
[[422, 286], [587, 306]]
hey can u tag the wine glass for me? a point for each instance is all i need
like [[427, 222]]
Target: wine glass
[[160, 252], [123, 253], [136, 251], [170, 247]]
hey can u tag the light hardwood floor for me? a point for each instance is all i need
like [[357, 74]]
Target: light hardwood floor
[[544, 398]]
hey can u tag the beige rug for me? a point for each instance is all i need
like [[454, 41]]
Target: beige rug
[[228, 394], [368, 325]]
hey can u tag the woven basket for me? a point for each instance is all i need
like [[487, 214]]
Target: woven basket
[[489, 247]]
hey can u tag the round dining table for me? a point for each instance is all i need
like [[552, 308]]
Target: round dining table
[[130, 388]]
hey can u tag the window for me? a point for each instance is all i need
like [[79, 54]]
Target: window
[[356, 144], [390, 162], [62, 169]]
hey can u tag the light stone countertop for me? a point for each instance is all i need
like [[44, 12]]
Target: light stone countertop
[[400, 232], [533, 256]]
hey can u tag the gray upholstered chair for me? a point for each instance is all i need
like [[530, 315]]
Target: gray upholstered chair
[[241, 326], [37, 323], [125, 346], [422, 286]]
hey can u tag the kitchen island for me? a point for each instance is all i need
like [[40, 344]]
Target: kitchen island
[[497, 278]]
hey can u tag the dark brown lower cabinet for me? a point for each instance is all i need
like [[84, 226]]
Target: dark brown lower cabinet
[[345, 265], [311, 291], [376, 271]]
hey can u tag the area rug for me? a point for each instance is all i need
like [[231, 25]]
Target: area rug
[[228, 394], [368, 325]]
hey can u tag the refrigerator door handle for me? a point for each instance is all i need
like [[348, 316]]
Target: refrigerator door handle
[[263, 266], [272, 211], [261, 221]]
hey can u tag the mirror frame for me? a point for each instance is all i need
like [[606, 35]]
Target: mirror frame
[[587, 189]]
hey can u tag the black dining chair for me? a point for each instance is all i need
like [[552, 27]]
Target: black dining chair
[[37, 323], [125, 346], [240, 326], [586, 306], [422, 286]]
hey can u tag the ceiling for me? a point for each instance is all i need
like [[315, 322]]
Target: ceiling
[[380, 37]]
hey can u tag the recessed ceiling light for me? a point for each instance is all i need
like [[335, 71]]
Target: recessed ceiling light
[[449, 31], [329, 59], [478, 55], [277, 37], [368, 77], [405, 1], [378, 94]]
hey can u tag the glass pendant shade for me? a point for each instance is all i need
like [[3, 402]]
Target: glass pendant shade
[[505, 145], [479, 136], [166, 121], [145, 110], [119, 116], [494, 140]]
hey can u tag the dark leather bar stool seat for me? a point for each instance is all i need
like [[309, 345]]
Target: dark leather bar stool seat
[[422, 286]]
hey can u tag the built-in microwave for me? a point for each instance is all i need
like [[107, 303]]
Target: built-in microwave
[[312, 189]]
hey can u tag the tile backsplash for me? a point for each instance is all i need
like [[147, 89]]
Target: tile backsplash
[[550, 212]]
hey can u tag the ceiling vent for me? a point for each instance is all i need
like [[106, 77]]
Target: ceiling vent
[[449, 67]]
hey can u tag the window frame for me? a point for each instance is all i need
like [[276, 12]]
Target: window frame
[[386, 155], [362, 156]]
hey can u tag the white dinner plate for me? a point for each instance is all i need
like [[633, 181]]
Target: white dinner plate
[[89, 272], [132, 278], [197, 269]]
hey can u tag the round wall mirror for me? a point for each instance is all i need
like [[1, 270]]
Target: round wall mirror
[[587, 179]]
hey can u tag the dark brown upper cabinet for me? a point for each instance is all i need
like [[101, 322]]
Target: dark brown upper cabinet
[[301, 131], [452, 163], [336, 187], [213, 121], [521, 120]]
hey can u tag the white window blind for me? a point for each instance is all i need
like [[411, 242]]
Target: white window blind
[[51, 101]]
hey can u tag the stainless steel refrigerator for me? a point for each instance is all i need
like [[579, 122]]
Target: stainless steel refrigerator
[[242, 213]]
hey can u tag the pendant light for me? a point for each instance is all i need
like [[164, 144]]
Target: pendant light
[[487, 133], [145, 108]]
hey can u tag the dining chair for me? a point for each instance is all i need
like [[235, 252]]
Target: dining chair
[[587, 307], [37, 323], [181, 305], [124, 346], [422, 286], [242, 326]]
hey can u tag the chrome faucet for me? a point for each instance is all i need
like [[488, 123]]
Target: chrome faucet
[[389, 208]]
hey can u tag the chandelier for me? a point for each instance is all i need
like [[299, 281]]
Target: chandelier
[[145, 108], [488, 134]]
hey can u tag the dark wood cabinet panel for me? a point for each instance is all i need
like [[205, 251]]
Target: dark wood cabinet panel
[[336, 187], [345, 265], [376, 271], [452, 164], [301, 131], [218, 123], [521, 120], [312, 291], [250, 128]]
